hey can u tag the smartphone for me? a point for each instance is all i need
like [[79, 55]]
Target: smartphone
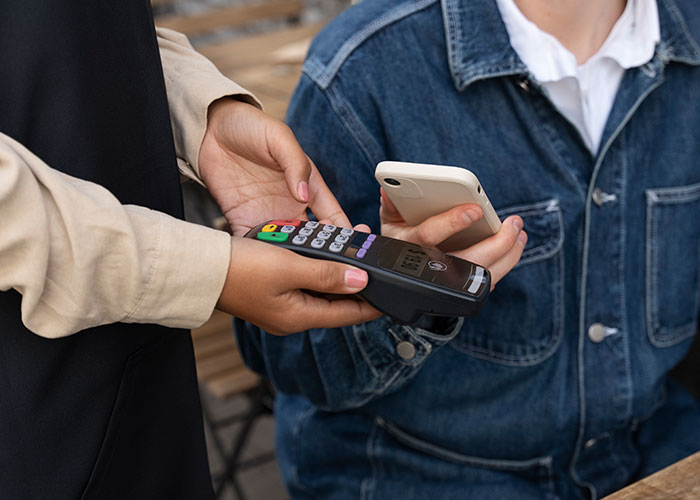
[[420, 191]]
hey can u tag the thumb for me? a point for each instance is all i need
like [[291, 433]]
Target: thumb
[[330, 277], [286, 151]]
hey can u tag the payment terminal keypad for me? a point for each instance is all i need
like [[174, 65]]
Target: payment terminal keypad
[[406, 281]]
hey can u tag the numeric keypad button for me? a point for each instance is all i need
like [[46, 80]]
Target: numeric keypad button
[[306, 231], [346, 231], [318, 243], [329, 227], [299, 239], [335, 247], [287, 229], [341, 238], [312, 224], [324, 235]]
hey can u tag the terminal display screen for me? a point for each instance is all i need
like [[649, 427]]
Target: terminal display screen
[[411, 261]]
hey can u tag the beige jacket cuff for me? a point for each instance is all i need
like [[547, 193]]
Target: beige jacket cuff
[[192, 83], [80, 258], [184, 268]]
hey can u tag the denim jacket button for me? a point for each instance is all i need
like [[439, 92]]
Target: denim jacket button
[[598, 197], [405, 350], [524, 84], [596, 332]]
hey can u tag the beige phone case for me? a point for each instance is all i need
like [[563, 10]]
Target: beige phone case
[[420, 191]]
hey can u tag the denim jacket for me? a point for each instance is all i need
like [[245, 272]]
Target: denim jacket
[[558, 388]]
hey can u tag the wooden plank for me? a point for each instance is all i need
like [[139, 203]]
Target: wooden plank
[[678, 481], [219, 322], [232, 383], [231, 17], [214, 365], [261, 64], [274, 78], [214, 344], [219, 364], [255, 50]]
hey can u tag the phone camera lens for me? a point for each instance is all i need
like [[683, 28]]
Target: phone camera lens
[[392, 182]]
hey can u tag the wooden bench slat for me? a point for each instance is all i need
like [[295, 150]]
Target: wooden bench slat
[[680, 480], [214, 344], [230, 17], [214, 365], [254, 49], [219, 322], [233, 383]]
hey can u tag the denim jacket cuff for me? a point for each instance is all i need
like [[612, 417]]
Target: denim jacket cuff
[[389, 347]]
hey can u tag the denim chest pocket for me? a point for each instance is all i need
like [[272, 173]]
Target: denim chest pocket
[[672, 264], [522, 321]]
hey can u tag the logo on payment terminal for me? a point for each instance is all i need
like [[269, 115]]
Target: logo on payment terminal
[[436, 265]]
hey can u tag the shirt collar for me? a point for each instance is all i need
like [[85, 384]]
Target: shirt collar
[[631, 41], [479, 46]]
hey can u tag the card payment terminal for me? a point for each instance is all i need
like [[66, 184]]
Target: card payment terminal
[[406, 281]]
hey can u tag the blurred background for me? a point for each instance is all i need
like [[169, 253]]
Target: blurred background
[[258, 43], [261, 45]]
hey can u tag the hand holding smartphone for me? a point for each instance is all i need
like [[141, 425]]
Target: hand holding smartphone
[[419, 191]]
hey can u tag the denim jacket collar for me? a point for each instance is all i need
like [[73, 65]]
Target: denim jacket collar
[[479, 47]]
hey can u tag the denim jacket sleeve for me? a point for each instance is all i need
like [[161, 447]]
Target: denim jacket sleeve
[[341, 368]]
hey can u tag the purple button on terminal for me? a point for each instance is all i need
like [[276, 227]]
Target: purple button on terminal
[[366, 245], [371, 237], [361, 253]]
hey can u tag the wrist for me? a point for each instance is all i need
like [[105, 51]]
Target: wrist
[[224, 116], [224, 109]]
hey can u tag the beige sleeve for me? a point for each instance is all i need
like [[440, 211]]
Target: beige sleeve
[[80, 258], [192, 83]]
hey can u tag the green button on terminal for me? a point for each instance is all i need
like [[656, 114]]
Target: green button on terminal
[[274, 236]]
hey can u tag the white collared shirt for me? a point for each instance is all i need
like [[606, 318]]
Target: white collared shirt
[[585, 93]]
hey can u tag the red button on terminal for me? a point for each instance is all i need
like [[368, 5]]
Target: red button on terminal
[[285, 222]]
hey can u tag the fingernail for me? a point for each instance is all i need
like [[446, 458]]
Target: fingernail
[[522, 238], [470, 215], [518, 223], [303, 190], [355, 278]]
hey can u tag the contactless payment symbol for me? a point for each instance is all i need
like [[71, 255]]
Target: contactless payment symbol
[[436, 265]]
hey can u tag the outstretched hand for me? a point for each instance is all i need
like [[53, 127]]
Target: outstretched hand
[[254, 168]]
